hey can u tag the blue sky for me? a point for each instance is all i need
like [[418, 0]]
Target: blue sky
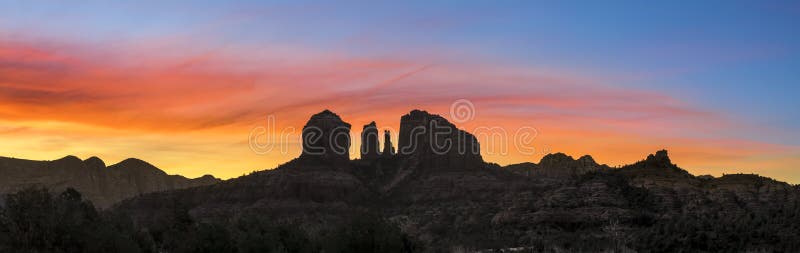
[[737, 60]]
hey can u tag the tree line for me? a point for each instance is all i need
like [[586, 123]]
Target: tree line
[[34, 220]]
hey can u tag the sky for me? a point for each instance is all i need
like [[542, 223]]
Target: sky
[[190, 86]]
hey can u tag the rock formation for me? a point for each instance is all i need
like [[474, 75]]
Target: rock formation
[[660, 159], [327, 137], [369, 142], [435, 143], [388, 148], [559, 164]]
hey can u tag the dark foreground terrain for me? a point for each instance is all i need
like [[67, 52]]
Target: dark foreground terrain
[[423, 200]]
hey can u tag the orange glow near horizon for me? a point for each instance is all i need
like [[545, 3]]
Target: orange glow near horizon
[[192, 114]]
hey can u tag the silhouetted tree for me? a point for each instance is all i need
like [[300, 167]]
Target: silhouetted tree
[[35, 221], [259, 234], [369, 233]]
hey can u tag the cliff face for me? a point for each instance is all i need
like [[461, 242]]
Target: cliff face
[[103, 185], [369, 142], [326, 137], [388, 147], [430, 141]]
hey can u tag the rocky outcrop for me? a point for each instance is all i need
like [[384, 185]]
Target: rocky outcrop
[[562, 165], [658, 170], [659, 159], [327, 137], [431, 142], [388, 148], [103, 185], [557, 166], [369, 142]]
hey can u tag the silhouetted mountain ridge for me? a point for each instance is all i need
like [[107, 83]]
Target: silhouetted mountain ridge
[[446, 199], [136, 166], [104, 185], [452, 198]]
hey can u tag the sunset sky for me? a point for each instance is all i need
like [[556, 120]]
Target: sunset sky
[[184, 84]]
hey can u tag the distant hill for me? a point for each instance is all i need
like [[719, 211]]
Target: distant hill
[[454, 200], [103, 185]]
